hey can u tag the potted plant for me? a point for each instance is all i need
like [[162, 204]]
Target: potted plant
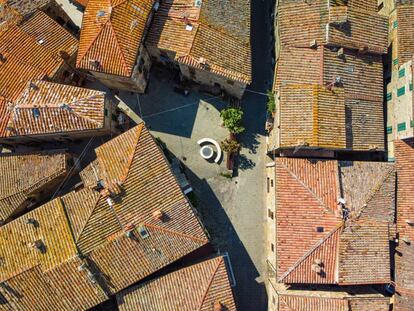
[[232, 120], [231, 147]]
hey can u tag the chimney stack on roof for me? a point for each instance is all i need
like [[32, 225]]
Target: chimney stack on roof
[[218, 306], [158, 215]]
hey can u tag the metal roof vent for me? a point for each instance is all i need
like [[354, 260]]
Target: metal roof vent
[[143, 232], [406, 240], [82, 267], [41, 41], [156, 6], [94, 63], [313, 44], [92, 277], [101, 13], [65, 106], [110, 202], [36, 112], [410, 222], [198, 3], [189, 27]]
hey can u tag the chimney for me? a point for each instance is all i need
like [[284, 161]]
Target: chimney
[[316, 268], [410, 222], [340, 53], [218, 306], [2, 58], [38, 245], [158, 215]]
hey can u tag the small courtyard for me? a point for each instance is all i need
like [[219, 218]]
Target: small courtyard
[[231, 208]]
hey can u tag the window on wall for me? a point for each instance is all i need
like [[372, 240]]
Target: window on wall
[[270, 214], [401, 127], [401, 91]]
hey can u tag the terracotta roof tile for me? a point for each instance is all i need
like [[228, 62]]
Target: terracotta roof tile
[[111, 34], [288, 303], [29, 290], [24, 175], [33, 50], [361, 80], [364, 253], [404, 257], [214, 38], [99, 241], [59, 108], [231, 17], [169, 33], [332, 299], [196, 287], [47, 225], [218, 48], [27, 7], [311, 228], [313, 115], [404, 153], [357, 26]]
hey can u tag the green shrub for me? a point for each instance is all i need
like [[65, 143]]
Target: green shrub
[[271, 105], [232, 119]]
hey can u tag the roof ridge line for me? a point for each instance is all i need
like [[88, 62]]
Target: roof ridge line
[[119, 47], [209, 283], [21, 271], [175, 232], [309, 189], [87, 220], [91, 43], [114, 6], [139, 129], [312, 250], [377, 189]]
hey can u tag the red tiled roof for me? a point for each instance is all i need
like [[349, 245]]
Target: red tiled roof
[[224, 53], [112, 31], [33, 50], [362, 83], [26, 174], [300, 23], [310, 226], [99, 260], [404, 154], [404, 257], [197, 287], [332, 301], [60, 108]]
